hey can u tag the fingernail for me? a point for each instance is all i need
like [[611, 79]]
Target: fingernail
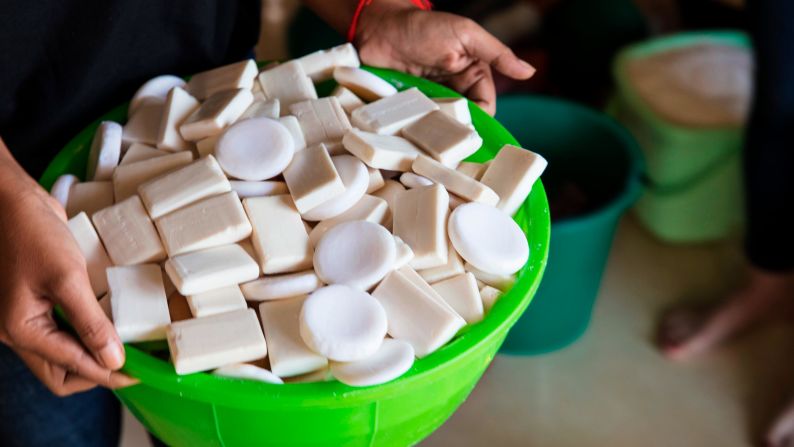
[[112, 355]]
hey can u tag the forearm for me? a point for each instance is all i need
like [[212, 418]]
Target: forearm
[[13, 178]]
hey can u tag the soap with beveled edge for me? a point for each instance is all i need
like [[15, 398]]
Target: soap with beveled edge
[[138, 302], [279, 236], [288, 353], [96, 258], [128, 233]]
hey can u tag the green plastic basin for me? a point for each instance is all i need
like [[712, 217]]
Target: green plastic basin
[[206, 410]]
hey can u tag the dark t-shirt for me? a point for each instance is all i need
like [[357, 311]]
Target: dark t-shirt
[[65, 62]]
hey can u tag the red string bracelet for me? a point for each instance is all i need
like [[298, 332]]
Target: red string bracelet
[[424, 5]]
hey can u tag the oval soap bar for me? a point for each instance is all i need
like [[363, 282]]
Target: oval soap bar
[[255, 149], [356, 253]]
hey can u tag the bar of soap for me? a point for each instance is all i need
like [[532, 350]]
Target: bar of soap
[[96, 258], [62, 188], [204, 270], [255, 149], [248, 372], [511, 174], [216, 301], [357, 254], [179, 105], [322, 120], [488, 239], [445, 139], [293, 126], [454, 181], [375, 181], [389, 192], [389, 115], [239, 75], [457, 108], [144, 124], [245, 189], [157, 87], [347, 99], [355, 178], [319, 66], [489, 295], [209, 342], [392, 360], [414, 277], [368, 208], [127, 177], [138, 302], [281, 286], [105, 151], [206, 146], [288, 353], [89, 197], [461, 292], [212, 222], [262, 108], [404, 254], [420, 216], [288, 83], [202, 178], [279, 237], [128, 233], [471, 169], [363, 83], [414, 316], [501, 282], [453, 267], [312, 178], [216, 113], [381, 151], [140, 152], [411, 180], [342, 323]]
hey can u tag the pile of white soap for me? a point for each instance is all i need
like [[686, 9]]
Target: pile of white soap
[[261, 231]]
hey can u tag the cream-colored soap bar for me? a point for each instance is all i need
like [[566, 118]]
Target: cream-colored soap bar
[[404, 253], [417, 280], [320, 65], [212, 268], [390, 114], [96, 258], [462, 294], [144, 124], [347, 99], [489, 295], [312, 178], [322, 120], [138, 302], [453, 267], [215, 114], [369, 208], [234, 76], [381, 151], [414, 316], [216, 301], [289, 355], [206, 146], [277, 287], [288, 83], [279, 236], [214, 221], [127, 178], [411, 180], [445, 139], [294, 128], [511, 174], [389, 193], [209, 342], [178, 106], [457, 108], [454, 181], [262, 108], [420, 217], [501, 282], [245, 189], [140, 152], [376, 181], [202, 178], [89, 197], [128, 233], [471, 169]]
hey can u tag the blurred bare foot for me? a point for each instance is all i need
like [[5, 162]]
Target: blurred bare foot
[[781, 434]]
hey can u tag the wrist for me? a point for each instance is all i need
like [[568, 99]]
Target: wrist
[[372, 16]]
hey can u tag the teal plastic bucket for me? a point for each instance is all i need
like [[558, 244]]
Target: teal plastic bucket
[[588, 151]]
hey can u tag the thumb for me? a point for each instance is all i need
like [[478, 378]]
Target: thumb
[[482, 45]]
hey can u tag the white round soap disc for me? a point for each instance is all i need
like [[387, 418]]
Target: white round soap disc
[[157, 87], [364, 84], [392, 360], [356, 253], [246, 371], [342, 323], [488, 238], [355, 177], [255, 149], [105, 151], [62, 188]]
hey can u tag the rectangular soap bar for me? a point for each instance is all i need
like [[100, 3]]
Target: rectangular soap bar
[[471, 169], [127, 177], [96, 258], [389, 193], [454, 181], [445, 139], [347, 99], [289, 355], [453, 267], [140, 152], [376, 181], [381, 151], [212, 222], [414, 316], [390, 114], [294, 128], [144, 124], [320, 65], [89, 197], [206, 146], [217, 301], [202, 178], [411, 275], [262, 108], [178, 106], [209, 342], [312, 178], [420, 220], [276, 287], [215, 114], [461, 292], [279, 236], [322, 120], [128, 233], [245, 189], [288, 83], [211, 268], [404, 253], [369, 208], [511, 175], [234, 76], [457, 108], [138, 302]]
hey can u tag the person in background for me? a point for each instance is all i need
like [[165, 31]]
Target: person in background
[[62, 64]]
